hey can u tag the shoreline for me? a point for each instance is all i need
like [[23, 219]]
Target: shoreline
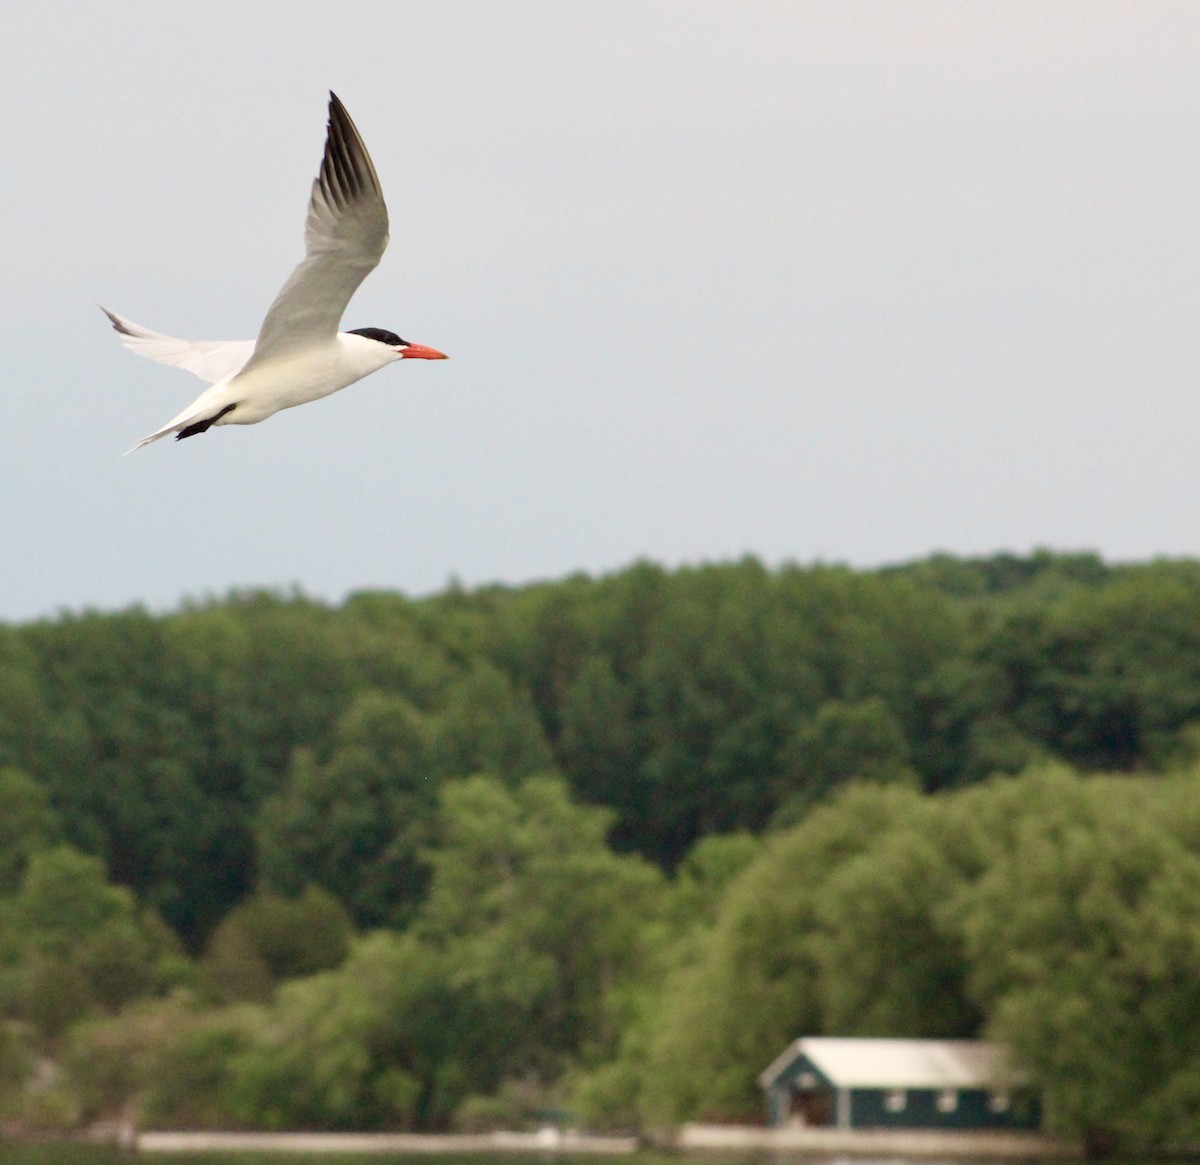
[[714, 1140], [873, 1143], [548, 1140]]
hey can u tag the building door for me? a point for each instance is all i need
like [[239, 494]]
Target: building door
[[812, 1107]]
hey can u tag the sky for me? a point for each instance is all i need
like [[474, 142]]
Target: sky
[[845, 282]]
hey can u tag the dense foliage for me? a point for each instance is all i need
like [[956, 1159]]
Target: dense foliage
[[603, 843]]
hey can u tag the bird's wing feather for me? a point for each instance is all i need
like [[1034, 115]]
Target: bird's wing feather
[[344, 237], [211, 360]]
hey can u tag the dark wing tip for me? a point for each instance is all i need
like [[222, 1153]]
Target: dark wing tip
[[346, 169], [117, 323]]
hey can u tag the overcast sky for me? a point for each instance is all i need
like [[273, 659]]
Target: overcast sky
[[842, 281]]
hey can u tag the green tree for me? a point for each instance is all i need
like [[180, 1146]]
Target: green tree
[[25, 720], [703, 876], [539, 920], [598, 742], [371, 1045], [756, 978], [890, 954], [71, 943], [1083, 945], [1105, 678], [165, 1060], [357, 824], [842, 742], [269, 938], [27, 825], [489, 725]]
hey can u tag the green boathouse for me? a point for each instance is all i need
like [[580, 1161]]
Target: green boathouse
[[896, 1084]]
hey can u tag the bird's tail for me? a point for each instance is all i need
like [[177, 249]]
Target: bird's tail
[[182, 425], [187, 425]]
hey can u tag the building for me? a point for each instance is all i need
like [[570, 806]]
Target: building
[[896, 1084]]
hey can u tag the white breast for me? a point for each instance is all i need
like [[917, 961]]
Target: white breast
[[302, 376]]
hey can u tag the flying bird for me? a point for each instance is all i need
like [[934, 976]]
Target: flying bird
[[299, 355]]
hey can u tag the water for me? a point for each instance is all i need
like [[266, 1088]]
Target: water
[[16, 1153], [68, 1154]]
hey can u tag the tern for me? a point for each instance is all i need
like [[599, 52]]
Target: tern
[[299, 354]]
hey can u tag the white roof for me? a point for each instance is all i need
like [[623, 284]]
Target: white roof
[[867, 1063]]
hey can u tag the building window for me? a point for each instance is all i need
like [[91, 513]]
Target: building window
[[895, 1100], [947, 1100], [998, 1102]]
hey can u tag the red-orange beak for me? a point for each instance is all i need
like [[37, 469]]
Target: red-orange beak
[[420, 352]]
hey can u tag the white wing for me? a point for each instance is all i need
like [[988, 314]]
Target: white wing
[[344, 237], [211, 360]]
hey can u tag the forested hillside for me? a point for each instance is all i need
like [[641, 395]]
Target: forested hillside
[[603, 844]]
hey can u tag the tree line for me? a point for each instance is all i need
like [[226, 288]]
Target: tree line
[[602, 845]]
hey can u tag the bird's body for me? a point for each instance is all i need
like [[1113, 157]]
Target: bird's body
[[299, 355]]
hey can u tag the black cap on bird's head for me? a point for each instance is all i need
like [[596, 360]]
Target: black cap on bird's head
[[407, 351]]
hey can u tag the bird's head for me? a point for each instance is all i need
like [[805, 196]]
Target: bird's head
[[402, 348]]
